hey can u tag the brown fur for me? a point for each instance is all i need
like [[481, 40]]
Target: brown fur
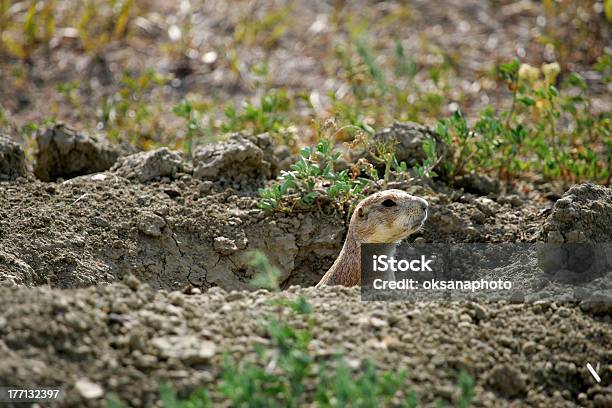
[[373, 222]]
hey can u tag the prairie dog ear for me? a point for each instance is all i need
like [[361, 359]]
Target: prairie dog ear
[[361, 213]]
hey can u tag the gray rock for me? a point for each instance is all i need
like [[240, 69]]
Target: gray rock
[[65, 153], [88, 389], [15, 271], [507, 381], [191, 350], [151, 224], [151, 165], [12, 159], [599, 303], [225, 246], [583, 214], [236, 161]]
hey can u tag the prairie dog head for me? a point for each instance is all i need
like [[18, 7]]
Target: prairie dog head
[[388, 216]]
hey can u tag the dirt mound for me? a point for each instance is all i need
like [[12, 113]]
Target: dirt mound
[[95, 229], [583, 214], [151, 165], [66, 153], [110, 338], [12, 160]]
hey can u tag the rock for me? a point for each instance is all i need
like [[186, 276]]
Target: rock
[[584, 214], [191, 350], [507, 381], [151, 224], [132, 282], [599, 303], [236, 161], [151, 165], [512, 199], [89, 389], [65, 153], [480, 312], [602, 401], [530, 347], [225, 246], [12, 159], [564, 312]]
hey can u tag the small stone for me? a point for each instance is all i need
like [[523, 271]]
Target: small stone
[[529, 347], [602, 401], [599, 303], [191, 350], [555, 237], [507, 381], [205, 187], [89, 389], [176, 298], [151, 224], [479, 311], [517, 297], [146, 166], [225, 246], [564, 312], [234, 295]]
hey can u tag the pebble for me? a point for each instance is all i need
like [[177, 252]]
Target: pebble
[[89, 389]]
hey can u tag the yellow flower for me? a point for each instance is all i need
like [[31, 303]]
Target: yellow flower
[[550, 72], [528, 73]]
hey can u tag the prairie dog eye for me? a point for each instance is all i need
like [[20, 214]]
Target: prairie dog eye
[[389, 203]]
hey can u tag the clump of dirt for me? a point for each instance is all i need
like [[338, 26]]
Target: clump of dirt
[[583, 214], [239, 162], [110, 338], [65, 153], [151, 165], [12, 160]]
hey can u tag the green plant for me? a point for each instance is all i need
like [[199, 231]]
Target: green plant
[[313, 175], [268, 275], [546, 130], [97, 29], [133, 113], [466, 384], [192, 115], [268, 115]]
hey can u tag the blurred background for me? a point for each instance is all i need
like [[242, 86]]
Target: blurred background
[[159, 73]]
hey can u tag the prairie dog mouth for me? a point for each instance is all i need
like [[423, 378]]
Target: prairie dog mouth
[[416, 225]]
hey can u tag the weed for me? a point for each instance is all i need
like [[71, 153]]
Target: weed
[[268, 115], [192, 114], [530, 137], [268, 276], [130, 114], [314, 174]]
